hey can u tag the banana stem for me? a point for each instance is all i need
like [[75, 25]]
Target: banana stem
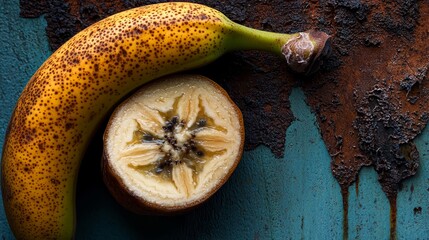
[[304, 51], [246, 38]]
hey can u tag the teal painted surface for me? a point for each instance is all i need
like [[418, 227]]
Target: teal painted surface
[[23, 48], [295, 197]]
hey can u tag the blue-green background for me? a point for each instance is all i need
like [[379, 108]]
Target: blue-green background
[[295, 197]]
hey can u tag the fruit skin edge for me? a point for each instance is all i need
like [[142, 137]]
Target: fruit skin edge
[[60, 223]]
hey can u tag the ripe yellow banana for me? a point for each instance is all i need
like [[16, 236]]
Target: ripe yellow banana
[[76, 87]]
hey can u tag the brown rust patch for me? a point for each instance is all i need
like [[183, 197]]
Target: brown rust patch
[[376, 101], [371, 97]]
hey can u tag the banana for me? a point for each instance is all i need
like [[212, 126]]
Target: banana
[[68, 96]]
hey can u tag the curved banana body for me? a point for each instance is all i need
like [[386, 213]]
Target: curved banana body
[[76, 87]]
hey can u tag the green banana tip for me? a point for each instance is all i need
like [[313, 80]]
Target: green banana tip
[[306, 51]]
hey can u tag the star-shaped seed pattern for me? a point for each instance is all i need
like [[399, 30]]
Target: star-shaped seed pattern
[[176, 144]]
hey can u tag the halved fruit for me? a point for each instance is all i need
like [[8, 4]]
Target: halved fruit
[[172, 145]]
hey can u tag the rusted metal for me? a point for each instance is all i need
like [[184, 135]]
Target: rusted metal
[[377, 102], [371, 97]]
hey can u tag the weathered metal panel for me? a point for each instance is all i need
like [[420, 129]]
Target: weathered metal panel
[[292, 193]]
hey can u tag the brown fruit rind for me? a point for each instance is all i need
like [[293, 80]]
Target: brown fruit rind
[[136, 204]]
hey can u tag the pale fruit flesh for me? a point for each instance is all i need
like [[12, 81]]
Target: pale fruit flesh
[[173, 143]]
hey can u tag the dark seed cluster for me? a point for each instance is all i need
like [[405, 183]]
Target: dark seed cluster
[[188, 152]]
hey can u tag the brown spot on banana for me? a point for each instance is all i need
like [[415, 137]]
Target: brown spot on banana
[[75, 88]]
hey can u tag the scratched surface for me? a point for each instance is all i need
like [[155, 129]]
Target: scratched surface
[[292, 194]]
